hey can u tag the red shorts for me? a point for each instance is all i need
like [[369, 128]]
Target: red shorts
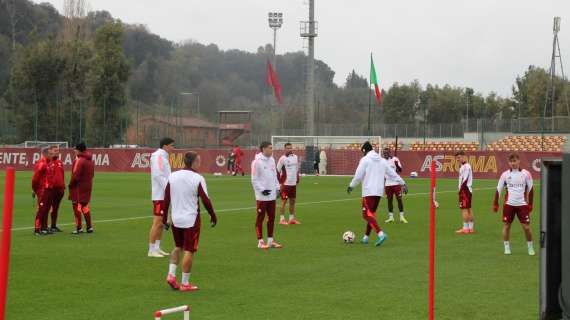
[[392, 191], [521, 212], [187, 238], [370, 205], [158, 208], [465, 199], [288, 192]]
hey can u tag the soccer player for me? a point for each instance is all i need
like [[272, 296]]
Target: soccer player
[[393, 188], [231, 162], [55, 168], [159, 173], [266, 187], [80, 187], [185, 189], [39, 182], [323, 162], [465, 194], [317, 162], [371, 171], [288, 175], [518, 201], [238, 155]]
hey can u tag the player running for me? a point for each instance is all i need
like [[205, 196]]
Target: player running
[[288, 175], [393, 188], [266, 187], [159, 172], [518, 201], [80, 187], [238, 156], [371, 172], [185, 189], [465, 194]]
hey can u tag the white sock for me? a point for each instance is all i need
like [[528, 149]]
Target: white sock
[[260, 241], [507, 244], [185, 278], [172, 270], [471, 225], [157, 245], [365, 238], [381, 233], [401, 214], [282, 217], [529, 243], [391, 215], [151, 247], [269, 241], [291, 217], [466, 225]]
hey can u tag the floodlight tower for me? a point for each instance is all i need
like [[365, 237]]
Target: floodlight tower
[[309, 32], [275, 20], [551, 90]]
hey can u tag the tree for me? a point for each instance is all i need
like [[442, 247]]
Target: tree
[[354, 80], [35, 79], [109, 75]]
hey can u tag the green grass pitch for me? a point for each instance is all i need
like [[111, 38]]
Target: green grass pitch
[[107, 275]]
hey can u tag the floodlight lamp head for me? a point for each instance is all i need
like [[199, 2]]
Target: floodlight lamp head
[[556, 27]]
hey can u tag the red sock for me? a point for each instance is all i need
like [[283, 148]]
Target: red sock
[[368, 229], [88, 219], [77, 215], [372, 222]]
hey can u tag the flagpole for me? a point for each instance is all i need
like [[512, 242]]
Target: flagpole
[[369, 99]]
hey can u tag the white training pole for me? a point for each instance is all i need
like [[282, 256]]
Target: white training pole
[[185, 309]]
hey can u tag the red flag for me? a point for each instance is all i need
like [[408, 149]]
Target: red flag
[[273, 81]]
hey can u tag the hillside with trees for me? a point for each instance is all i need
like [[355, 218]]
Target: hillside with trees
[[79, 75]]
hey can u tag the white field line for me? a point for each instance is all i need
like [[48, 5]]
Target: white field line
[[248, 208]]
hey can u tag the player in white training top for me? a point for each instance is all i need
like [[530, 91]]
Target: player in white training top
[[185, 190], [518, 201], [288, 176], [159, 173], [465, 193], [393, 188]]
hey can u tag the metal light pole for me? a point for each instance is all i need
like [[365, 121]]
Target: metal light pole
[[309, 31], [275, 20]]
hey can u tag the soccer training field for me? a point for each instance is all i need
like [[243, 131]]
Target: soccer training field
[[107, 275]]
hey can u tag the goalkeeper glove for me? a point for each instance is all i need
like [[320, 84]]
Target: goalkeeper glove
[[405, 189], [349, 190]]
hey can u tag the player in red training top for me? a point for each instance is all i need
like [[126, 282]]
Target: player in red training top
[[80, 187], [465, 193], [288, 175], [518, 201], [393, 188], [39, 182], [55, 168], [238, 157]]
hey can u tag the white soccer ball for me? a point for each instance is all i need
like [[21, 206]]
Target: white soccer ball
[[348, 237]]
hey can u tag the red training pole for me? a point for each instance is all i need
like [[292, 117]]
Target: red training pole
[[7, 214], [431, 241]]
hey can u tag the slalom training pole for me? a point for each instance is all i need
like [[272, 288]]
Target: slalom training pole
[[431, 241], [7, 214]]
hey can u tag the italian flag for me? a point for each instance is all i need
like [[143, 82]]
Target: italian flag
[[374, 81]]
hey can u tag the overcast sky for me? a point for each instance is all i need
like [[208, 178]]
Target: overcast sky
[[483, 44]]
